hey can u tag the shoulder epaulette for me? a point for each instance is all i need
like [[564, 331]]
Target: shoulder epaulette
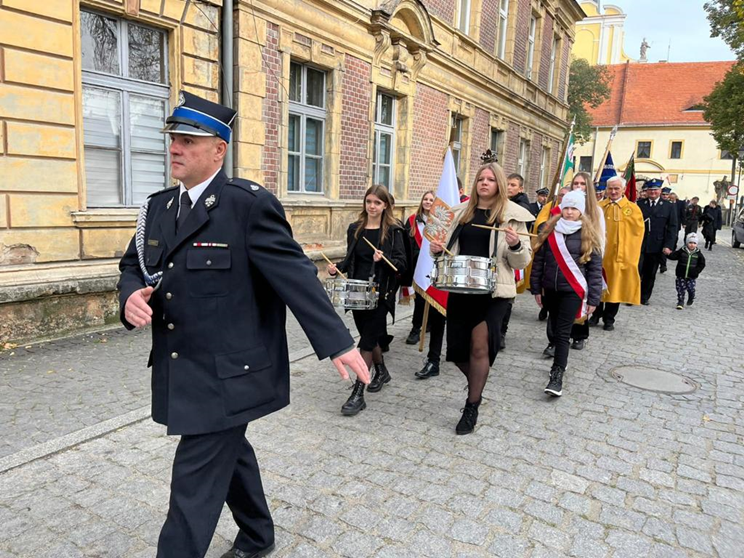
[[163, 191], [247, 185]]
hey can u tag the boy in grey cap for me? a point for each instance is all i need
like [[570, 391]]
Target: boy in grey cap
[[690, 262]]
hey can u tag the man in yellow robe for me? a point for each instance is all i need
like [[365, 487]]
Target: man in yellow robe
[[622, 252]]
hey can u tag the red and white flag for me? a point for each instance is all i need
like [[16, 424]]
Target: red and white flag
[[448, 193]]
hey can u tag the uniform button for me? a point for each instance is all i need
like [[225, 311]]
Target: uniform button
[[168, 295], [174, 356], [246, 367], [170, 265], [171, 327], [209, 262]]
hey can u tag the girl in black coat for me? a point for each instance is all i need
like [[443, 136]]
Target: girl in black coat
[[567, 276], [712, 221], [378, 226]]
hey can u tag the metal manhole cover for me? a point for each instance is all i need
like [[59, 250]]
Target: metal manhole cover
[[651, 379]]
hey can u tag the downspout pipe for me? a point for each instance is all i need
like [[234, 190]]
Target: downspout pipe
[[227, 76]]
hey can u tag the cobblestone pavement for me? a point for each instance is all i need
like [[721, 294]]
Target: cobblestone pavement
[[607, 470]]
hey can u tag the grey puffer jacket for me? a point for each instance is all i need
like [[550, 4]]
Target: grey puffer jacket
[[547, 275]]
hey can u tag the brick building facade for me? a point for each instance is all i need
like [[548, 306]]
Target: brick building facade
[[329, 101]]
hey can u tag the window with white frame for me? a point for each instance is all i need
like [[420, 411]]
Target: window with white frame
[[502, 28], [463, 16], [306, 128], [523, 162], [456, 140], [531, 45], [551, 71], [544, 167], [382, 166], [125, 102]]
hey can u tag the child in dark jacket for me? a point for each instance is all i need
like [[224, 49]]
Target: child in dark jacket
[[690, 262]]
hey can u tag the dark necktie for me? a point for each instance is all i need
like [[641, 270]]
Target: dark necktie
[[185, 209]]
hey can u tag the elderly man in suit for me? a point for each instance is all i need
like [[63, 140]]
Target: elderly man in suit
[[212, 268], [660, 218]]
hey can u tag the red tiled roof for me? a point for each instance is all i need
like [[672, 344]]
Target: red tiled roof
[[657, 93]]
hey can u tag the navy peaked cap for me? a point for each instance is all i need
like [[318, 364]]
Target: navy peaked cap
[[653, 184], [195, 116]]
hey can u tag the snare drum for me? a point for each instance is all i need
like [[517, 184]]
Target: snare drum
[[352, 294], [464, 274]]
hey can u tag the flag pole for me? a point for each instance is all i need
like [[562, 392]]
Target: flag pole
[[559, 169], [424, 323], [598, 176]]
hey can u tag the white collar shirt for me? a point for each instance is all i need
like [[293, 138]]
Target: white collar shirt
[[196, 191]]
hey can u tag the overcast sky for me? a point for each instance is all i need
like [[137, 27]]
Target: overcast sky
[[683, 22]]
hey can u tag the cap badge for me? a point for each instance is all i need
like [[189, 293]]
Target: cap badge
[[170, 202], [181, 99], [254, 187], [209, 202]]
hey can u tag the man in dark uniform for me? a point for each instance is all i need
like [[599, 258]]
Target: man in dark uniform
[[660, 219], [212, 267], [537, 205]]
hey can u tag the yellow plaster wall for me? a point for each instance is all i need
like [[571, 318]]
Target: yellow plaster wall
[[41, 159]]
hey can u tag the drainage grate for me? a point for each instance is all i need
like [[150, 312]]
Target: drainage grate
[[651, 379]]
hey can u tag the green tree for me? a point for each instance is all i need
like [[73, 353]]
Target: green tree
[[588, 87], [723, 108], [726, 19]]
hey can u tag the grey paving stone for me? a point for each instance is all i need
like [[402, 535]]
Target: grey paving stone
[[468, 531], [695, 540], [504, 519], [628, 545], [549, 536]]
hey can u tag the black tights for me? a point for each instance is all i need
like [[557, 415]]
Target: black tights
[[372, 357], [477, 368]]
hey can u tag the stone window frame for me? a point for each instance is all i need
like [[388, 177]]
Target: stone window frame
[[125, 86], [305, 111]]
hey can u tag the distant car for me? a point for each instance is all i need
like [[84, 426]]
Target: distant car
[[737, 231]]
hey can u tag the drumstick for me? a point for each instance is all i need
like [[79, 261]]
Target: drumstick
[[503, 230], [383, 257], [330, 262]]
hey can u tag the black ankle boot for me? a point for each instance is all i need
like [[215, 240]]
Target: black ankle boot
[[469, 418], [430, 369], [414, 337], [355, 402], [555, 385], [381, 377]]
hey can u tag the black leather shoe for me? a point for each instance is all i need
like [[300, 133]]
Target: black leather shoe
[[414, 337], [385, 343], [645, 302], [578, 344], [609, 327], [381, 377], [237, 553], [430, 369], [469, 418], [592, 322], [549, 351], [355, 403]]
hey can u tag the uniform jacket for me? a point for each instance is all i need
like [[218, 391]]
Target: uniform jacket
[[547, 275], [394, 249], [624, 222], [689, 264], [693, 212], [535, 208], [507, 260], [219, 349], [661, 226]]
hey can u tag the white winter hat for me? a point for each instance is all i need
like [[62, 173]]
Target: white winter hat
[[576, 199], [692, 237]]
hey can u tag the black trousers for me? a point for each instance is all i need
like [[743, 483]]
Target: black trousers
[[436, 333], [562, 308], [648, 265], [610, 312], [209, 470]]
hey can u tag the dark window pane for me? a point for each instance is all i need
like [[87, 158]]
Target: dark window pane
[[294, 133], [146, 54], [383, 177], [100, 40], [726, 155], [386, 110], [315, 88], [313, 174], [676, 150], [386, 149], [644, 149], [295, 82], [313, 137], [585, 164], [495, 141], [293, 173]]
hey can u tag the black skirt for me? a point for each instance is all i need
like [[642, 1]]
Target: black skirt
[[464, 313], [371, 325]]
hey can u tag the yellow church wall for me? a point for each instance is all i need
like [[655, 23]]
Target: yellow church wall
[[699, 166]]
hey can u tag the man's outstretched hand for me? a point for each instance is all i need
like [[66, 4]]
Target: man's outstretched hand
[[354, 361], [137, 311]]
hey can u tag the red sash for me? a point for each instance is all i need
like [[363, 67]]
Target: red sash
[[415, 229], [570, 269]]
